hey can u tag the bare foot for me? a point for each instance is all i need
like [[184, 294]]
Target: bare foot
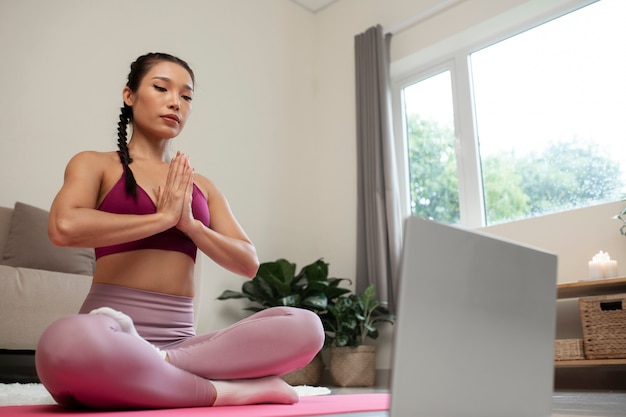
[[271, 389], [127, 326]]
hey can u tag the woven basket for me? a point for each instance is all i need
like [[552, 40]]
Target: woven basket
[[568, 349], [309, 375], [353, 367], [604, 326]]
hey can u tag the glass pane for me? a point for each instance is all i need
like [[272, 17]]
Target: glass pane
[[550, 105], [429, 129]]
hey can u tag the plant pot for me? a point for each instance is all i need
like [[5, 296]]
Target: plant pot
[[353, 367], [309, 375]]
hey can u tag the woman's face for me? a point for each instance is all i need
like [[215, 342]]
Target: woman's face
[[162, 103]]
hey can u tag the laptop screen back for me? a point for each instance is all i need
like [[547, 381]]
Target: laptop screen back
[[475, 326]]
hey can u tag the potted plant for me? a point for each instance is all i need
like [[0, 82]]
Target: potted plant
[[277, 284], [350, 321]]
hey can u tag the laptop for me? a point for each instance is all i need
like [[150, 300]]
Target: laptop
[[475, 326]]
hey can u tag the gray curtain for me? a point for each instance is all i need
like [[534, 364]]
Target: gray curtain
[[379, 229]]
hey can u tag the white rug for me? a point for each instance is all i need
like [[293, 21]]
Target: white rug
[[35, 394], [24, 394]]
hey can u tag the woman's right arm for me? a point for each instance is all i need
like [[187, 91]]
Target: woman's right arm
[[75, 221]]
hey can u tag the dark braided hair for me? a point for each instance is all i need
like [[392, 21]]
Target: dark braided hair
[[138, 70]]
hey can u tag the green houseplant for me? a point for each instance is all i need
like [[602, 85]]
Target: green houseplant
[[277, 284], [350, 321]]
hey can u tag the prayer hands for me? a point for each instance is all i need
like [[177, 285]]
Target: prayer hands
[[175, 198]]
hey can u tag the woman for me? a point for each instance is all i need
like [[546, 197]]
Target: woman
[[146, 213]]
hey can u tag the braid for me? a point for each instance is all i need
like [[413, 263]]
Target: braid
[[126, 115]]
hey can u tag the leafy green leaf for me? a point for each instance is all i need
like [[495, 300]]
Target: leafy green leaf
[[278, 285], [316, 300], [228, 294], [292, 300], [253, 291], [342, 340], [317, 271]]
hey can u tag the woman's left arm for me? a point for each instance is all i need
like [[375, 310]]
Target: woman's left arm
[[225, 241]]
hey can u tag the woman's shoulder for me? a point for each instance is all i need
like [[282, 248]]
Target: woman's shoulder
[[95, 156], [94, 165], [93, 159]]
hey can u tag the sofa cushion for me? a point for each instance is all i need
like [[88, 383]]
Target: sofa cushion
[[28, 245], [5, 223], [31, 299]]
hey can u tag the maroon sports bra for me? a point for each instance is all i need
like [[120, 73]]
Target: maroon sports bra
[[117, 201]]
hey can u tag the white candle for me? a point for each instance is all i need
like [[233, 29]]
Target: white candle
[[610, 269], [601, 266], [595, 270]]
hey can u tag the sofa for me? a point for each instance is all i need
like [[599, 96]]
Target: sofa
[[39, 283]]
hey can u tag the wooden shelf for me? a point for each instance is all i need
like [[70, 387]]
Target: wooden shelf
[[591, 288], [590, 362]]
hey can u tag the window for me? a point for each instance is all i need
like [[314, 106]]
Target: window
[[433, 186], [530, 124]]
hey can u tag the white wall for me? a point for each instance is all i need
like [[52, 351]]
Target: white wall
[[575, 236], [273, 121]]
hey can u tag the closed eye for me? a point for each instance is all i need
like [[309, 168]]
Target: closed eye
[[188, 98], [159, 88]]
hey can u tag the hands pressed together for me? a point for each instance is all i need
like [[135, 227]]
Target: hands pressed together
[[174, 199]]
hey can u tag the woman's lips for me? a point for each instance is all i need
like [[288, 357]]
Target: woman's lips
[[172, 118]]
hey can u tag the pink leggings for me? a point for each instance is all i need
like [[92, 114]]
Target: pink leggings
[[87, 360]]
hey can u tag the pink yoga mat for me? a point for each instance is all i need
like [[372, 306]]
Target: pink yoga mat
[[308, 406]]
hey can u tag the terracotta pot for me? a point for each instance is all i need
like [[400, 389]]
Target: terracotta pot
[[309, 375], [353, 367]]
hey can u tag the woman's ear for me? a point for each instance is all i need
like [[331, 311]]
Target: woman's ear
[[128, 96]]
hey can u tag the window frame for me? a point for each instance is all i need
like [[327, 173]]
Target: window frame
[[453, 54]]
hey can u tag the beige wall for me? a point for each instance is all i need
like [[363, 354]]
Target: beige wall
[[575, 236], [273, 121]]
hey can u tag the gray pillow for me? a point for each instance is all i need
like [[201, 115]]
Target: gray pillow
[[28, 245]]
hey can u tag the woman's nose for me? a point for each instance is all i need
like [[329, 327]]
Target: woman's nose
[[174, 101]]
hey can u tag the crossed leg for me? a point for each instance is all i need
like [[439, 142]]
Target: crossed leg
[[273, 341], [89, 361], [242, 391], [100, 361]]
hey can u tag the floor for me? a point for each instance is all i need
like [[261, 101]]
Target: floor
[[565, 403], [592, 404]]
